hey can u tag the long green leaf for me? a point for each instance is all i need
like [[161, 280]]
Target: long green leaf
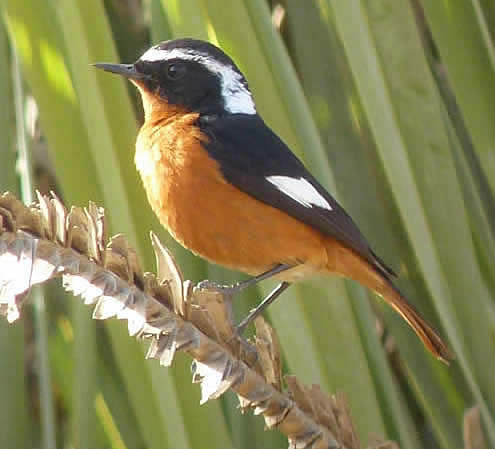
[[467, 51], [421, 174], [85, 384]]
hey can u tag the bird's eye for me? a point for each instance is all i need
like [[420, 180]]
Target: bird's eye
[[175, 71]]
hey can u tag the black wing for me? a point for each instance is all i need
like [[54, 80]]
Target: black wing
[[249, 152]]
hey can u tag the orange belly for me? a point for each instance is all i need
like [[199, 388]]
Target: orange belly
[[211, 217]]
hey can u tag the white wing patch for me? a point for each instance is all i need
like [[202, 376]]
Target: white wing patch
[[300, 190], [236, 96]]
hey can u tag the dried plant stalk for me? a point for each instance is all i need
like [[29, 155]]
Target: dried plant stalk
[[44, 241]]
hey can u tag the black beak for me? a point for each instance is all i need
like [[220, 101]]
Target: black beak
[[127, 70]]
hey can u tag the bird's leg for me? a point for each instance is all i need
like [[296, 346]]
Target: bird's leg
[[233, 289], [239, 286], [276, 292], [230, 290]]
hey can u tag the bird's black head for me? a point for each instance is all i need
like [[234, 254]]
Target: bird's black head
[[192, 74]]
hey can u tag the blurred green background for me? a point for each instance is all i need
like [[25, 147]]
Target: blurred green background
[[390, 103]]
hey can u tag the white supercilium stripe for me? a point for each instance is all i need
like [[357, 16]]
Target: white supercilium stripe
[[236, 96], [300, 190]]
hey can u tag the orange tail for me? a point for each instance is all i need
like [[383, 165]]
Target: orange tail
[[377, 278], [423, 330]]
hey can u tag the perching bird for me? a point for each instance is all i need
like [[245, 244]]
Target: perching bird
[[229, 189]]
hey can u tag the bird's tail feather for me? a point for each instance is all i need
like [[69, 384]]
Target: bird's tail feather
[[377, 277], [424, 331]]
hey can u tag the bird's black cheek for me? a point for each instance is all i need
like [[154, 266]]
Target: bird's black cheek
[[205, 100], [174, 95], [185, 96]]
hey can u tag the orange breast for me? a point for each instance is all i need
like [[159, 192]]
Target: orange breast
[[211, 217]]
